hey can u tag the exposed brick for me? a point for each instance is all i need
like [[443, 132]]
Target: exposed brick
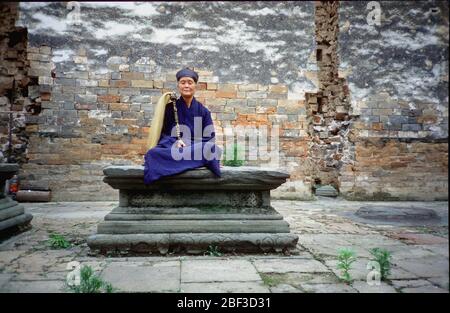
[[85, 99], [119, 107], [142, 83], [119, 83], [86, 83], [278, 89], [248, 87], [132, 76], [126, 122], [411, 127], [205, 94], [226, 116], [211, 86], [377, 126], [225, 94], [158, 84], [227, 87], [46, 96], [80, 106], [427, 119], [341, 116], [108, 98], [257, 94]]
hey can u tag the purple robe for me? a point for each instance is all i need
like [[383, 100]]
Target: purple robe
[[201, 148]]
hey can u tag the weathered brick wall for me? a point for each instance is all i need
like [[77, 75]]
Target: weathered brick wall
[[14, 82], [388, 169], [398, 81], [104, 87], [296, 65], [328, 109], [82, 133]]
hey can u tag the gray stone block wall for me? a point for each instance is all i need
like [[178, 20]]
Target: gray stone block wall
[[398, 70]]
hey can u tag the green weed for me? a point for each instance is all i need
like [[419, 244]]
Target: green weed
[[345, 259]]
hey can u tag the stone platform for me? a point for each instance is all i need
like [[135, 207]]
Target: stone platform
[[13, 218], [194, 211]]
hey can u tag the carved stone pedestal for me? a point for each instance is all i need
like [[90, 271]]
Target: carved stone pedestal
[[194, 211]]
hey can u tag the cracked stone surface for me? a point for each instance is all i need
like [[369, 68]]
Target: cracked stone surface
[[143, 276], [419, 254], [225, 287], [218, 270]]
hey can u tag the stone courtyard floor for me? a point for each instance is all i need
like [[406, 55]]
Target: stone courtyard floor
[[419, 254]]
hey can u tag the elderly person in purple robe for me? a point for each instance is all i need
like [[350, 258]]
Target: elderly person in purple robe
[[182, 136]]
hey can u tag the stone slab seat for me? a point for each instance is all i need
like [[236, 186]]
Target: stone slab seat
[[193, 210], [253, 178], [13, 218]]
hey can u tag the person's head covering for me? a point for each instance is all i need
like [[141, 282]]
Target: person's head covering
[[186, 72]]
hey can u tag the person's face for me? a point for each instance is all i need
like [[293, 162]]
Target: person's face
[[186, 86]]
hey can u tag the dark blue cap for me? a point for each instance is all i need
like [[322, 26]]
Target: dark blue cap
[[186, 72]]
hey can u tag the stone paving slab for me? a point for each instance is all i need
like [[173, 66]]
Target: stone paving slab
[[409, 283], [425, 267], [295, 279], [281, 281], [5, 278], [325, 224], [52, 286], [221, 270], [420, 254], [34, 262], [142, 277], [225, 287], [7, 256], [364, 287], [40, 276], [417, 285], [441, 249], [285, 288], [97, 265], [359, 270], [424, 289], [420, 239], [441, 282], [328, 244], [328, 288], [407, 252], [289, 265]]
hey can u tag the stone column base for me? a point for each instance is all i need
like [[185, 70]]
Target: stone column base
[[13, 218], [191, 243]]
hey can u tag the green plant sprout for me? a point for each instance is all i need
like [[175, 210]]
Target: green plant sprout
[[91, 283], [345, 259], [57, 241], [271, 280], [234, 161], [383, 257], [213, 251]]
